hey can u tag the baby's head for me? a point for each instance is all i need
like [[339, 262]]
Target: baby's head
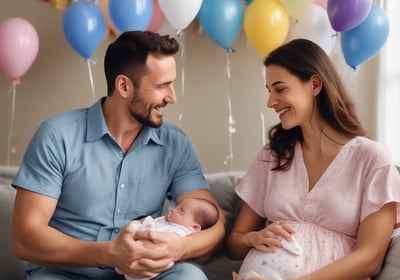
[[194, 213]]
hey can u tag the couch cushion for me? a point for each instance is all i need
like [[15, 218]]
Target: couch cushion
[[222, 187], [9, 265]]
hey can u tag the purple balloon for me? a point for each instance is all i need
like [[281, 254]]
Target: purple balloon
[[347, 14]]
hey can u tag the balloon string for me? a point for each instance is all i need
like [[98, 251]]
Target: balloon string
[[181, 35], [231, 121], [263, 133], [294, 32], [10, 132], [89, 64]]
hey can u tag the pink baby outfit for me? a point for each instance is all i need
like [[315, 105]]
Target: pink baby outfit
[[358, 182]]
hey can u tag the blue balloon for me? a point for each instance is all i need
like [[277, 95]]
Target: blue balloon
[[366, 39], [84, 27], [222, 21], [130, 14]]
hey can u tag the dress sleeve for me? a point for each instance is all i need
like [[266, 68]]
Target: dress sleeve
[[252, 189], [382, 186]]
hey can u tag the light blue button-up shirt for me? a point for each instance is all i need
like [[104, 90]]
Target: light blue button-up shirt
[[74, 158]]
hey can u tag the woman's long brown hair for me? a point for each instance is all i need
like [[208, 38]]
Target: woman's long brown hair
[[304, 58]]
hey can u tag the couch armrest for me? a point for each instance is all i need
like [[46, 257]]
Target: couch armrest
[[391, 264]]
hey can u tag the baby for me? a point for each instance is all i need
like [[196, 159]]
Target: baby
[[189, 216]]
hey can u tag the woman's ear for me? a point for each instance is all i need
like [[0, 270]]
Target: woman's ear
[[316, 84]]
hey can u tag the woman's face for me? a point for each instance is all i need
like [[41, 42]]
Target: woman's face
[[291, 98]]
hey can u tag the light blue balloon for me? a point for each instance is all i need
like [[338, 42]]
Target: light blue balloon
[[366, 39], [222, 21], [130, 14], [84, 27]]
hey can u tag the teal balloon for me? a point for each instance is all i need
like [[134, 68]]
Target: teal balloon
[[222, 21], [84, 27], [129, 15], [366, 39]]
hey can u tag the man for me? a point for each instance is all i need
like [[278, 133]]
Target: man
[[87, 173]]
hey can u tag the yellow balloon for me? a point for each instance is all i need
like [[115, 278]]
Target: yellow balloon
[[296, 8], [266, 24]]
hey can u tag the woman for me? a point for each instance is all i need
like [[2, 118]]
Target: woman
[[319, 180]]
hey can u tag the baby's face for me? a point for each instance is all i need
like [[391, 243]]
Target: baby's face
[[181, 214]]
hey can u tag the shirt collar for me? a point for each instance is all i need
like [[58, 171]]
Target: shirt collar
[[96, 124], [97, 128]]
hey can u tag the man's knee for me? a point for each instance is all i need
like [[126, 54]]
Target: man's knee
[[183, 271]]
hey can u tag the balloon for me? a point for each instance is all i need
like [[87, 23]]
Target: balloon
[[157, 18], [84, 27], [19, 46], [347, 14], [60, 5], [314, 25], [322, 3], [221, 20], [364, 41], [180, 13], [295, 8], [103, 5], [266, 25], [130, 14]]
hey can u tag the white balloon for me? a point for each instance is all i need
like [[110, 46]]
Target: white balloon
[[180, 13], [314, 25]]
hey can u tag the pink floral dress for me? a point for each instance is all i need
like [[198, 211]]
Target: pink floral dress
[[358, 182]]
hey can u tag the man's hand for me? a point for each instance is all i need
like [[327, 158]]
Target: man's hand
[[136, 255], [174, 244]]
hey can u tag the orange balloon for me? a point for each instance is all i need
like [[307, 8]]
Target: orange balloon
[[266, 25], [103, 5], [60, 5]]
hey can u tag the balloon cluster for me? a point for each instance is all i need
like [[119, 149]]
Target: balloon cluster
[[362, 25]]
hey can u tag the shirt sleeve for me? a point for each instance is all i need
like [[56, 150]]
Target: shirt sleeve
[[188, 174], [42, 166]]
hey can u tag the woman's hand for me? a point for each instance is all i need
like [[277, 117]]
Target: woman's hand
[[266, 240]]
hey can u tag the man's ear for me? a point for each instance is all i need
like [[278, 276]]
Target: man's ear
[[122, 85]]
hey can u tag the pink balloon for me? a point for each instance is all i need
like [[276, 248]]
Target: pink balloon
[[322, 3], [157, 18], [19, 45]]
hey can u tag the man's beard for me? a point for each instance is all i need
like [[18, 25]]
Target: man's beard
[[146, 119]]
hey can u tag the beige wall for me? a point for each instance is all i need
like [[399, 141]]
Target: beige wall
[[58, 81]]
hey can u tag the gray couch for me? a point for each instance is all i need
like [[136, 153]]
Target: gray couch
[[218, 267]]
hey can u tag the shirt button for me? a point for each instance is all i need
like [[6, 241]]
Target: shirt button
[[116, 230], [122, 187], [118, 212]]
